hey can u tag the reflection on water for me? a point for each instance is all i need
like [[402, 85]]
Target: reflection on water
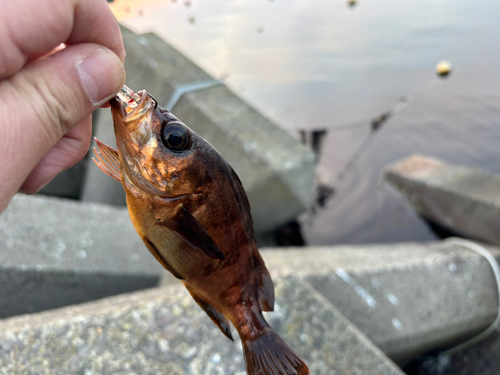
[[324, 65]]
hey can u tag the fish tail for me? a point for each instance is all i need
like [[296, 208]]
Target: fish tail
[[270, 355]]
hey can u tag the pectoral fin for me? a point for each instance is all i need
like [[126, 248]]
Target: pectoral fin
[[108, 160], [188, 229], [219, 319], [153, 250]]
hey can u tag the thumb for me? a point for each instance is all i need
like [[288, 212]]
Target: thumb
[[45, 100]]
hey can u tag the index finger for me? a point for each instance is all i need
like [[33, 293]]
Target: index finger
[[32, 27]]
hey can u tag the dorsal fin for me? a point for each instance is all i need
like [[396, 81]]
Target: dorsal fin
[[243, 203], [108, 160], [265, 287]]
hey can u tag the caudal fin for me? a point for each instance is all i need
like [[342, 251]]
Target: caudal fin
[[270, 355]]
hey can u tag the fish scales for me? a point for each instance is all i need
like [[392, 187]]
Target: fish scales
[[190, 209]]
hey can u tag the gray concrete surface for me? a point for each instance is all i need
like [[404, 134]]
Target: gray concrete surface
[[55, 252], [163, 331], [462, 199], [276, 170], [407, 298]]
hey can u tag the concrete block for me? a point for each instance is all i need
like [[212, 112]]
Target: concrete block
[[55, 252], [156, 66], [462, 199], [276, 170], [406, 298], [163, 331]]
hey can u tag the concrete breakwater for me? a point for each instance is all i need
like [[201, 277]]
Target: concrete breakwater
[[461, 199], [346, 309]]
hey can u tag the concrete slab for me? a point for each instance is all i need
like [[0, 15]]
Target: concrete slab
[[462, 199], [55, 252], [163, 331], [276, 170], [406, 298]]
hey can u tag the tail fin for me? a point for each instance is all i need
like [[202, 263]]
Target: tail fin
[[270, 355]]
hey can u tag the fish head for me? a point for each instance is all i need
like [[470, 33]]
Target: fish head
[[158, 153]]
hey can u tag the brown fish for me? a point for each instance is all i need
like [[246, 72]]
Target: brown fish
[[191, 211]]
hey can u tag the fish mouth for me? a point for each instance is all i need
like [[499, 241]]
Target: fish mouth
[[133, 110]]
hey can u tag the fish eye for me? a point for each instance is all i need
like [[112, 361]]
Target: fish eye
[[175, 137]]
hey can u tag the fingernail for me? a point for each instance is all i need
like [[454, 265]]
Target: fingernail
[[102, 75]]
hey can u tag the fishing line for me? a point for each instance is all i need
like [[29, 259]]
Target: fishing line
[[375, 125], [397, 214], [496, 271], [378, 193], [348, 126]]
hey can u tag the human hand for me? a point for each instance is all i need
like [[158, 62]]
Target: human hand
[[48, 90]]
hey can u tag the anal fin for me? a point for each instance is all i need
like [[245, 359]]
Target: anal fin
[[153, 250], [108, 160], [219, 319]]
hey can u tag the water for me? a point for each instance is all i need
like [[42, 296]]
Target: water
[[325, 66]]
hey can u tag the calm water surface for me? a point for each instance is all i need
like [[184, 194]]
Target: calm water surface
[[322, 65]]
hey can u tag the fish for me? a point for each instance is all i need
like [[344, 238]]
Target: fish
[[191, 211]]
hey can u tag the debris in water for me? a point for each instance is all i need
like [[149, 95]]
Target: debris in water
[[352, 3], [191, 19], [323, 193], [314, 139], [317, 140], [443, 69], [259, 30], [378, 121]]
